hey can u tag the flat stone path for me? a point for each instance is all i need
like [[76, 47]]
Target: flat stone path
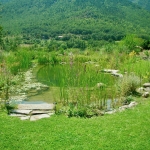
[[36, 106], [33, 110]]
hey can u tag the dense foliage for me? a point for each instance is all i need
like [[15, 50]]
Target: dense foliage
[[142, 3], [85, 20], [0, 35]]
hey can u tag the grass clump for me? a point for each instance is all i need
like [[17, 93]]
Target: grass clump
[[127, 84]]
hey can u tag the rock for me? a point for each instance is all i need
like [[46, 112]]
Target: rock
[[145, 85], [51, 113], [110, 71], [37, 117], [124, 107], [99, 85], [63, 63], [96, 65], [18, 98], [132, 104], [145, 94], [17, 115], [90, 62], [25, 118], [147, 89], [36, 106], [111, 112], [26, 112], [140, 90], [39, 112], [117, 74], [113, 72]]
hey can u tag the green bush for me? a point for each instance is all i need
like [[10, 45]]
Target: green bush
[[130, 43], [43, 59], [128, 84]]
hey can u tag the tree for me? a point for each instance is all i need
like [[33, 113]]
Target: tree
[[0, 36]]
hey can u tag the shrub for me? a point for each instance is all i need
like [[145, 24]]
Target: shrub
[[43, 59], [128, 84]]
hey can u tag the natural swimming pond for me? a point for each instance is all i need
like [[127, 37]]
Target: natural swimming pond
[[76, 84], [78, 75]]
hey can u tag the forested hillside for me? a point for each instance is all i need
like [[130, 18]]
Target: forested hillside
[[142, 3], [91, 19]]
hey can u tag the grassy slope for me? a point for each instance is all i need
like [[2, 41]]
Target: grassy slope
[[121, 131]]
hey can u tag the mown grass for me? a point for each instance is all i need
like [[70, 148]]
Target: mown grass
[[120, 131]]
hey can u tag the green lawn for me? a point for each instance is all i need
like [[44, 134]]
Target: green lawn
[[128, 130]]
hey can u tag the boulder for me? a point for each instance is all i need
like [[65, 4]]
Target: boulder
[[140, 90], [132, 104], [124, 107], [145, 85], [147, 89], [145, 94]]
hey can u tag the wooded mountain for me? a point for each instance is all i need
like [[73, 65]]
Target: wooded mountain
[[142, 3], [87, 19]]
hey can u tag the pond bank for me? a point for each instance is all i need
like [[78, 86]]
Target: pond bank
[[20, 94]]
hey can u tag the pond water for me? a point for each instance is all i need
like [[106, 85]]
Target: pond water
[[67, 82], [48, 96], [78, 75]]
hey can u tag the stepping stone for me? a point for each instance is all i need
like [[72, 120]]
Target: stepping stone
[[117, 74], [110, 112], [25, 118], [110, 71], [17, 115], [37, 117], [51, 113], [146, 94], [27, 112], [132, 104], [147, 89], [36, 106], [39, 112], [146, 85]]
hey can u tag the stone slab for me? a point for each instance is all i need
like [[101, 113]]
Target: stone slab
[[147, 89], [117, 74], [30, 102], [132, 104], [37, 117], [36, 106], [39, 112], [25, 118], [146, 85], [110, 71], [17, 115], [27, 112]]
